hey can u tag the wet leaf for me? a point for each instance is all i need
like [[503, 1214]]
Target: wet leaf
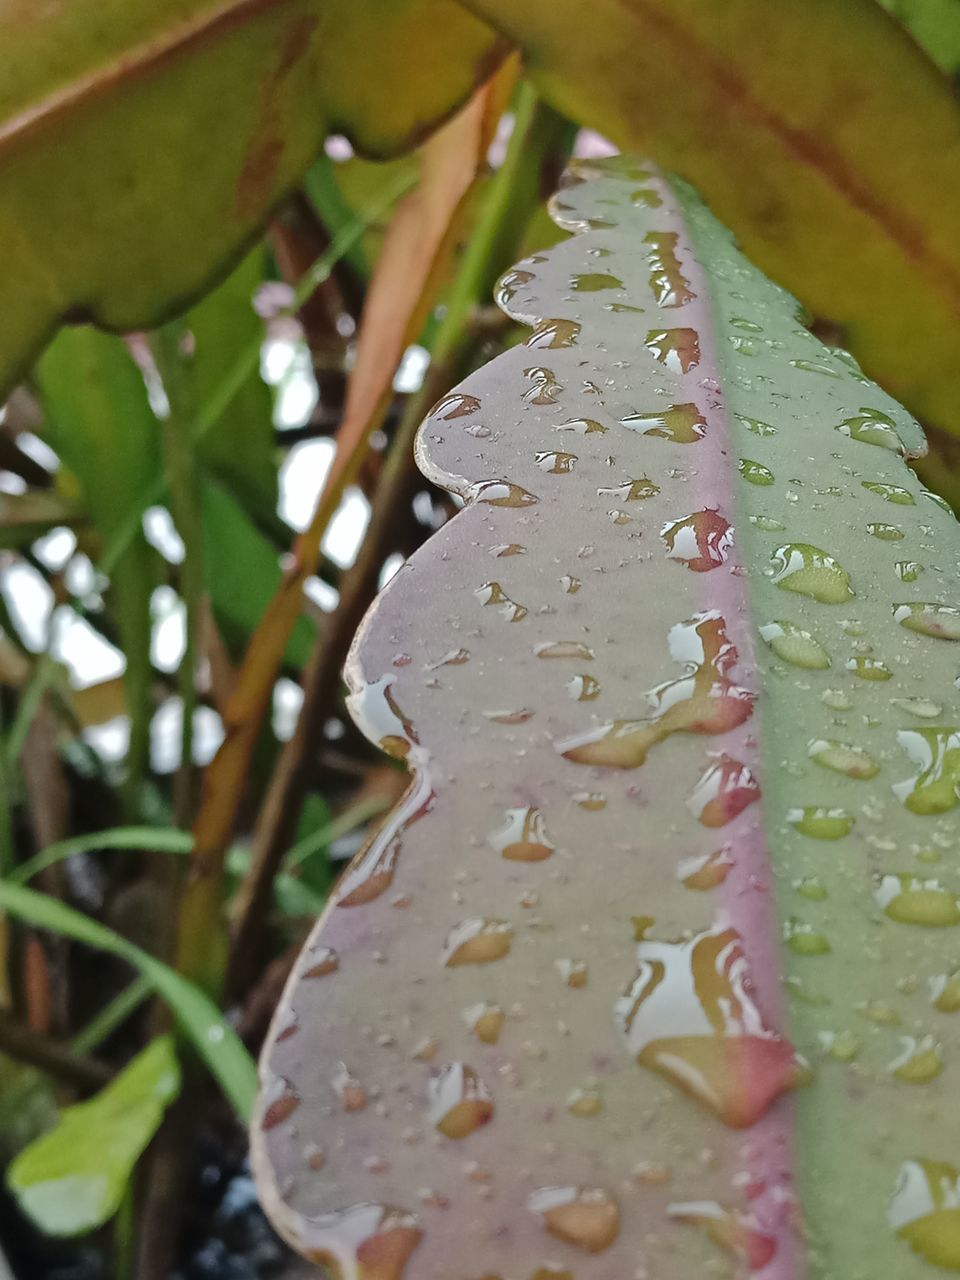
[[73, 1178], [141, 144], [818, 131], [598, 999]]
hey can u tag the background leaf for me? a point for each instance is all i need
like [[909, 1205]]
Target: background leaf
[[73, 1178]]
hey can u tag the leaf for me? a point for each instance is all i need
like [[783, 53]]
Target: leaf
[[816, 130], [238, 448], [243, 572], [181, 125], [584, 1004], [73, 1178], [934, 24], [214, 1039], [98, 419]]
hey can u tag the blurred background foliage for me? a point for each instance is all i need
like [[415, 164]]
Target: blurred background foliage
[[194, 518]]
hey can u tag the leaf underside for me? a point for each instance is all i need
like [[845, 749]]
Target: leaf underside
[[141, 145], [653, 971]]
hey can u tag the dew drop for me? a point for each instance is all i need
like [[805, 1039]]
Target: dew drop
[[477, 942], [523, 837], [885, 532], [563, 649], [554, 333], [681, 423], [459, 1102], [925, 1211], [890, 492], [939, 620], [796, 646], [485, 1021], [867, 668], [587, 1217], [676, 349], [919, 1060], [594, 282], [821, 823], [726, 788], [690, 1016], [352, 1094], [841, 757], [755, 472], [500, 493], [737, 1232], [555, 462], [701, 541], [705, 871], [871, 426], [804, 940], [631, 490], [583, 688], [808, 571], [911, 899], [935, 787]]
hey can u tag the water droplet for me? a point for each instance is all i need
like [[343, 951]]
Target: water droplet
[[500, 493], [523, 837], [485, 1021], [676, 349], [939, 620], [726, 788], [836, 699], [681, 423], [815, 366], [455, 405], [891, 492], [563, 649], [755, 426], [372, 1241], [459, 1101], [631, 490], [867, 668], [908, 570], [518, 716], [280, 1101], [477, 942], [509, 283], [843, 1046], [919, 1060], [583, 688], [545, 389], [925, 1211], [884, 1015], [871, 426], [755, 472], [767, 524], [803, 939], [573, 972], [570, 584], [585, 1102], [796, 646], [319, 961], [352, 1094], [945, 991], [594, 282], [911, 899], [738, 1232], [555, 462], [583, 426], [491, 593], [554, 333], [821, 823], [690, 1015], [670, 286], [808, 571], [705, 871], [935, 787], [701, 541], [590, 800], [841, 757], [923, 708], [704, 700], [938, 500], [885, 532], [587, 1217]]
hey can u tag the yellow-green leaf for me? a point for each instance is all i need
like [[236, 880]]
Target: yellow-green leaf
[[142, 143], [817, 129], [72, 1179]]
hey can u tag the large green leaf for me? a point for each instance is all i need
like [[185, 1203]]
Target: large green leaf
[[142, 143], [73, 1178], [654, 969], [815, 128]]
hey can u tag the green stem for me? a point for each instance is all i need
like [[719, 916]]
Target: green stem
[[111, 1016]]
